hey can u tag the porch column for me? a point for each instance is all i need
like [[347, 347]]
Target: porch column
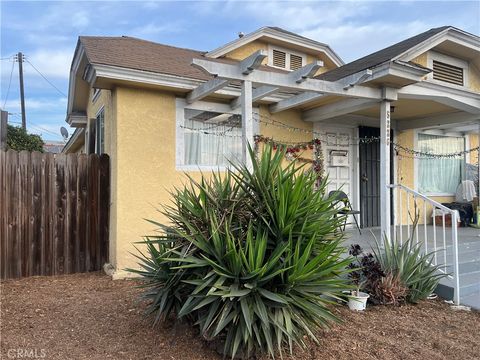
[[385, 168], [478, 164], [247, 121]]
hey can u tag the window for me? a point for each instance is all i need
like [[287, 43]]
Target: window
[[440, 176], [100, 132], [284, 59], [448, 73], [208, 135]]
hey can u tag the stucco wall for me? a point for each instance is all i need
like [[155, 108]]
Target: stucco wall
[[143, 169], [294, 119], [143, 165]]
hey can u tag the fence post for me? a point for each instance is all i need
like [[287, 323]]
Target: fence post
[[3, 130]]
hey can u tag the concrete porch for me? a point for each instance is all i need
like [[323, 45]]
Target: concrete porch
[[468, 255]]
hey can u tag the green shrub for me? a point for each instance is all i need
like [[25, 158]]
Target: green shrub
[[407, 263], [18, 139], [252, 258]]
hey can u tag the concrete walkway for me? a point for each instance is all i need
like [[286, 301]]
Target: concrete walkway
[[468, 255]]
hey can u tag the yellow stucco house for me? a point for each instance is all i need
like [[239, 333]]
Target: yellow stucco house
[[160, 111]]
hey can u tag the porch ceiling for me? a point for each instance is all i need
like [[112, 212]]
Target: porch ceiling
[[409, 109]]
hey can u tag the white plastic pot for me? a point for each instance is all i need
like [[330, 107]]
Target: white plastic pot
[[358, 303]]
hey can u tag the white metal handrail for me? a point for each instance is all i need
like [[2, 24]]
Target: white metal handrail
[[439, 245]]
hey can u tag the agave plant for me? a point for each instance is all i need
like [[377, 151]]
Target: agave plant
[[251, 257], [411, 266]]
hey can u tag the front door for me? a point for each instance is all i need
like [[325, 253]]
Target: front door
[[340, 142], [369, 157]]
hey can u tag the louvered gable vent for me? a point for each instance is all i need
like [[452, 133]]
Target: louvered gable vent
[[448, 73], [279, 59], [295, 62]]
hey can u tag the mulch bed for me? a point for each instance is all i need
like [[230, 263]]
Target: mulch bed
[[89, 316]]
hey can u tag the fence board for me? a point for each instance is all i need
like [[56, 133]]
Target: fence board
[[54, 213]]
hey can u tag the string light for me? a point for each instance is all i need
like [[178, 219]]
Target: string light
[[325, 137]]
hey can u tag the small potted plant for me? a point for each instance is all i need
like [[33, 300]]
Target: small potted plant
[[357, 300]]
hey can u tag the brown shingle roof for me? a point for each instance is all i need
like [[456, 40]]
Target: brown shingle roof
[[380, 56], [143, 55], [133, 53]]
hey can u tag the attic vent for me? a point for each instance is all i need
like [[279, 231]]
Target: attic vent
[[295, 62], [448, 73], [279, 58]]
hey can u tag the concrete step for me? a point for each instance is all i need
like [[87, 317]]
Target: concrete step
[[472, 300]]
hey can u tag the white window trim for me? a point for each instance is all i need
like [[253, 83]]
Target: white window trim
[[416, 160], [181, 105], [450, 60], [287, 57], [97, 144]]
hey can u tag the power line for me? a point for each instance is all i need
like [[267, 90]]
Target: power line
[[44, 77], [9, 84]]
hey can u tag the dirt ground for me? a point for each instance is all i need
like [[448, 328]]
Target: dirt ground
[[89, 316]]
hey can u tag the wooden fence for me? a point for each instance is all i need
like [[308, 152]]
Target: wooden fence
[[54, 211]]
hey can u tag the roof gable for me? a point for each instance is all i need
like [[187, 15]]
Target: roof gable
[[279, 35], [381, 56]]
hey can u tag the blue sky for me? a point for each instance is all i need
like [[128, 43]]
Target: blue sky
[[46, 32]]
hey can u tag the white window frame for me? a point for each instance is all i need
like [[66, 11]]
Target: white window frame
[[287, 57], [97, 131], [181, 105], [450, 60], [416, 160]]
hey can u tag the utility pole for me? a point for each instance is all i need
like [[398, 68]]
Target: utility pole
[[22, 93]]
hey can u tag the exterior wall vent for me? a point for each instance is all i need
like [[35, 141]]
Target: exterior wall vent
[[448, 73], [296, 62], [279, 59]]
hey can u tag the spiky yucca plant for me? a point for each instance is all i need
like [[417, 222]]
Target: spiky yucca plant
[[251, 257]]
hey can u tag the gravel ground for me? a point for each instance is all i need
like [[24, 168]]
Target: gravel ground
[[89, 316]]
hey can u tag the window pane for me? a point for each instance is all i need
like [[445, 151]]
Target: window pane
[[212, 138], [440, 175]]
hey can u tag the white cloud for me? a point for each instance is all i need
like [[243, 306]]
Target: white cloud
[[352, 40], [37, 104], [352, 28], [152, 29], [52, 63]]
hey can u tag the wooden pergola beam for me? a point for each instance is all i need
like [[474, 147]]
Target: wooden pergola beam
[[295, 101], [338, 108], [252, 62], [206, 89], [257, 94], [284, 81], [306, 72]]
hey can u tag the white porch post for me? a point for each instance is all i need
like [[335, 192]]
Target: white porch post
[[385, 169], [247, 121], [478, 164]]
